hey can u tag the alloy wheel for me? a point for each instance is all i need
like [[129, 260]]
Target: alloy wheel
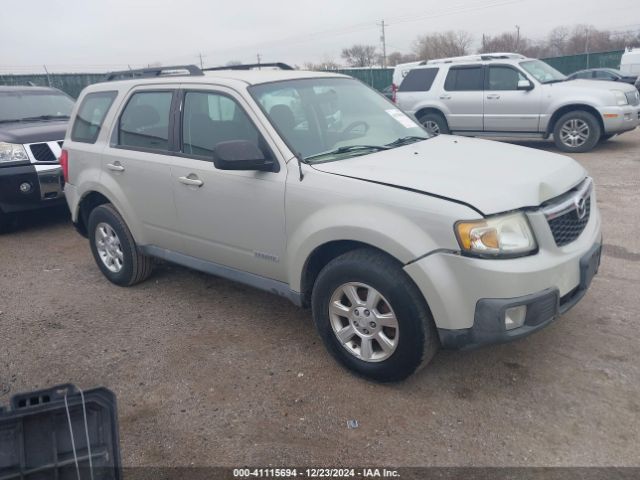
[[574, 133], [364, 322], [109, 247]]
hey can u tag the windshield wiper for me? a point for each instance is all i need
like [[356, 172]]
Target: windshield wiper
[[406, 141], [46, 117], [348, 149], [557, 80]]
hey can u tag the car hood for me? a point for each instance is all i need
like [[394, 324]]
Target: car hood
[[600, 85], [31, 132], [490, 176]]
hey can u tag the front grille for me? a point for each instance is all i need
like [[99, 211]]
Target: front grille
[[633, 98], [568, 227], [42, 153]]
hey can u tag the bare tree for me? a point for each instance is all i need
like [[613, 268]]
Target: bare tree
[[396, 58], [324, 65], [360, 55], [443, 44]]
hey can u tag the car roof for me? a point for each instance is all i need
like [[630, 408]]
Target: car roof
[[229, 77], [26, 89]]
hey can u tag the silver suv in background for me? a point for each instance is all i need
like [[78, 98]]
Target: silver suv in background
[[314, 187], [506, 94]]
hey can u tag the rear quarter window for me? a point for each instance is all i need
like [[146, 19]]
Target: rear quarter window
[[90, 116], [418, 80]]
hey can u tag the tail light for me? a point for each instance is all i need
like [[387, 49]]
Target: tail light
[[394, 93], [64, 163]]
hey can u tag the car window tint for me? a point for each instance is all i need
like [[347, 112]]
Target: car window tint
[[464, 79], [145, 121], [90, 116], [602, 75], [212, 118], [418, 80], [503, 78]]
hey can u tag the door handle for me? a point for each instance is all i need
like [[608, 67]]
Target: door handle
[[116, 167], [191, 180], [493, 97], [445, 97]]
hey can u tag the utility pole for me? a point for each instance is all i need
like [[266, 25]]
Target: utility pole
[[517, 37], [586, 45], [201, 64], [259, 57], [48, 77], [383, 39]]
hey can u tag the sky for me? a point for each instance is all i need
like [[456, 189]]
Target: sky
[[91, 35]]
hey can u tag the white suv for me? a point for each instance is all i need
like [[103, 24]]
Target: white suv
[[508, 95], [316, 188]]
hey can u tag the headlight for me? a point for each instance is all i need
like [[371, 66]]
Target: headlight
[[621, 98], [499, 236], [12, 152]]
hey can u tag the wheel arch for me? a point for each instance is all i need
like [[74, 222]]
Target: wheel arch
[[96, 195], [426, 110], [322, 255], [570, 108]]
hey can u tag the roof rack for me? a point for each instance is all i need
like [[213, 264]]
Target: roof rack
[[174, 70], [478, 58], [250, 66]]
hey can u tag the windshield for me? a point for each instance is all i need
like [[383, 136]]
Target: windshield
[[543, 72], [325, 119], [21, 105]]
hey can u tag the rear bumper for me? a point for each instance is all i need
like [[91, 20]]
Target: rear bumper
[[620, 119], [29, 187]]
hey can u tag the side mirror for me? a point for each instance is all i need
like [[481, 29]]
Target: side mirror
[[525, 85], [240, 155]]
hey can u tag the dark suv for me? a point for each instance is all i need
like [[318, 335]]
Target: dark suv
[[33, 121]]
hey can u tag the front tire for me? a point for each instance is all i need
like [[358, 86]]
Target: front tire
[[577, 132], [114, 249], [434, 123], [371, 316]]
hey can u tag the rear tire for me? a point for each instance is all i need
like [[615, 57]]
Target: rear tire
[[577, 132], [114, 248], [434, 123], [387, 332]]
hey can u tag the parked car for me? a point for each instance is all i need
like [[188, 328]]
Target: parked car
[[398, 242], [630, 62], [609, 74], [33, 121], [506, 94]]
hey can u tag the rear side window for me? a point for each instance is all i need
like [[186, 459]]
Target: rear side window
[[583, 75], [418, 80], [144, 123], [91, 114], [604, 75], [464, 79]]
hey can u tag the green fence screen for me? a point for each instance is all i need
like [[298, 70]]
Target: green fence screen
[[378, 78], [71, 83], [573, 63]]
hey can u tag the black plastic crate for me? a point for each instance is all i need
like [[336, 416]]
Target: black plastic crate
[[36, 441]]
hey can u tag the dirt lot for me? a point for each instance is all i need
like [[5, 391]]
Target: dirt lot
[[208, 372]]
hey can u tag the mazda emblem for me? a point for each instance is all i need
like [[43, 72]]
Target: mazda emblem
[[581, 207]]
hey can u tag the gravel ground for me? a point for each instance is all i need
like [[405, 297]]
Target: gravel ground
[[208, 372]]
